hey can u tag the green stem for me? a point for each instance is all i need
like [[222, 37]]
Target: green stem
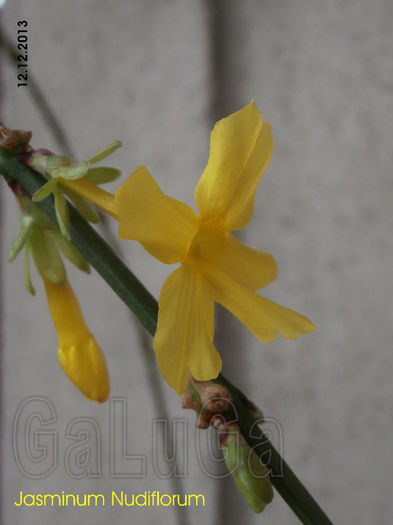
[[145, 307]]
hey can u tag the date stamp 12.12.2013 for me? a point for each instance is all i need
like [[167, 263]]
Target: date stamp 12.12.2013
[[22, 46]]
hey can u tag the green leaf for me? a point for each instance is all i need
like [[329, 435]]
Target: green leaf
[[102, 175], [26, 271], [105, 152], [69, 251], [61, 208], [46, 257], [44, 191], [83, 207], [72, 172], [25, 225]]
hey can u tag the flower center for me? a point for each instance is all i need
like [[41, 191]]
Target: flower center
[[206, 247]]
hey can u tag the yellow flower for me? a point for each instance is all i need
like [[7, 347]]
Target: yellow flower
[[79, 354], [215, 266]]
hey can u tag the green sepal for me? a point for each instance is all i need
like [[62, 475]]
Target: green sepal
[[250, 475], [25, 225], [46, 257], [105, 152], [83, 207], [69, 251], [44, 191], [26, 271], [40, 218], [61, 209], [102, 175], [70, 172]]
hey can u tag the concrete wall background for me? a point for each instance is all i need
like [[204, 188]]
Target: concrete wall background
[[157, 75]]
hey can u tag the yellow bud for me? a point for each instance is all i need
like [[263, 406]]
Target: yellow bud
[[79, 354]]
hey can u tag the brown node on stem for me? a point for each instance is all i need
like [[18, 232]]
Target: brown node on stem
[[209, 400], [15, 140]]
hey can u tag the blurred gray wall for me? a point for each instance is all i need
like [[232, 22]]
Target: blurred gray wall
[[157, 74]]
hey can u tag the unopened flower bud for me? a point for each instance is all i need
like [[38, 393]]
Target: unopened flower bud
[[79, 354]]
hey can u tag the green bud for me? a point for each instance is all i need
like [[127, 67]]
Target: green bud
[[254, 478], [250, 475], [105, 152]]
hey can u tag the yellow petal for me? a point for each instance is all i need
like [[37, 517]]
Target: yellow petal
[[79, 354], [184, 338], [164, 226], [263, 317], [251, 268], [89, 191], [241, 147]]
